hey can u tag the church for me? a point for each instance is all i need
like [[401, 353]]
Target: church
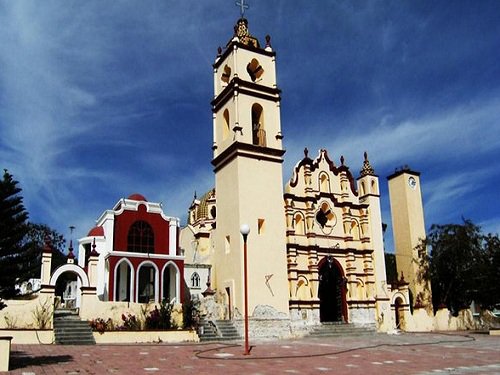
[[315, 246]]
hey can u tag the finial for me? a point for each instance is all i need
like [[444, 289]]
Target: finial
[[306, 152], [367, 169], [342, 159], [243, 6], [195, 195], [94, 251], [70, 251], [268, 41], [219, 51], [209, 291]]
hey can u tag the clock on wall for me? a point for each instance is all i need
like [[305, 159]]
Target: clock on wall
[[412, 182]]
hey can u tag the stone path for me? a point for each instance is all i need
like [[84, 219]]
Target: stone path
[[429, 353]]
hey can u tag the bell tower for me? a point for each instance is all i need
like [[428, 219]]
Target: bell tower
[[247, 159], [408, 229]]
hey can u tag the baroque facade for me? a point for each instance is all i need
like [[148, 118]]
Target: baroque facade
[[316, 245]]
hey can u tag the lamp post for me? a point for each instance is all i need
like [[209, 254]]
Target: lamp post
[[244, 230]]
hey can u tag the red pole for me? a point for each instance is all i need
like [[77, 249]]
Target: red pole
[[247, 350]]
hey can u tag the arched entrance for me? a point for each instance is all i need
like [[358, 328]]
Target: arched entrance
[[399, 310], [123, 281], [70, 271], [331, 291], [171, 283], [147, 282]]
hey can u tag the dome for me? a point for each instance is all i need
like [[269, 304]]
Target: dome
[[137, 197], [96, 232]]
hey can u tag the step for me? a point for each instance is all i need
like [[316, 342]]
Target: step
[[70, 330], [342, 329], [224, 330]]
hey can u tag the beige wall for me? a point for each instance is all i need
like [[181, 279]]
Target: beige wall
[[129, 337], [408, 229], [249, 190]]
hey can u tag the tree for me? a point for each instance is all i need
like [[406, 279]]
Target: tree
[[15, 254], [391, 272], [36, 236], [488, 278], [460, 266]]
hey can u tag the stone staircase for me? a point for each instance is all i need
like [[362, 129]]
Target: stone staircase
[[339, 329], [218, 330], [70, 330]]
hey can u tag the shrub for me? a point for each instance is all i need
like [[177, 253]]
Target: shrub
[[130, 323], [100, 325], [160, 318]]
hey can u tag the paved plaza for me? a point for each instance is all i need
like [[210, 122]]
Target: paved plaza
[[425, 353]]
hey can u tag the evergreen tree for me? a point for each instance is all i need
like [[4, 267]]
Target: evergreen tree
[[15, 253]]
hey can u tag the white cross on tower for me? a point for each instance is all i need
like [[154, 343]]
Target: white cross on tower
[[242, 6]]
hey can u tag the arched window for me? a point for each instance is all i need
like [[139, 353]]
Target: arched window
[[141, 238], [258, 132], [300, 227], [354, 230], [195, 280], [324, 183]]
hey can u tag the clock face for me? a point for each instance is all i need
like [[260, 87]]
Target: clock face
[[412, 182]]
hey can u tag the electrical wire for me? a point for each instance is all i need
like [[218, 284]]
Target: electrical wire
[[203, 354]]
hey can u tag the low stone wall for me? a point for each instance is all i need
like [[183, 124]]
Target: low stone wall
[[265, 328], [29, 336], [93, 308], [123, 337], [33, 312]]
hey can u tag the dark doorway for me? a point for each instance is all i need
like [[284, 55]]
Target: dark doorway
[[228, 291], [331, 291]]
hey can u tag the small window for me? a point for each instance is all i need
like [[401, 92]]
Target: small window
[[255, 70], [225, 127], [258, 132], [325, 216], [227, 244], [260, 226], [226, 74], [195, 280], [354, 230]]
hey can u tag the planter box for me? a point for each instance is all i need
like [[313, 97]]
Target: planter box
[[129, 337]]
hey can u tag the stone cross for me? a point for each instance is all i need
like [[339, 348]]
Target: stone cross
[[243, 6]]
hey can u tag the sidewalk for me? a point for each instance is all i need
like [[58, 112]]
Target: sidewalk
[[424, 353]]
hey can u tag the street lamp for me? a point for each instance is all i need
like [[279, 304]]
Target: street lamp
[[244, 230]]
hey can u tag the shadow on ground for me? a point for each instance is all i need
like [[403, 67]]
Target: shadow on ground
[[20, 359]]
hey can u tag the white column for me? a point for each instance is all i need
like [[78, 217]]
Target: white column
[[172, 245]]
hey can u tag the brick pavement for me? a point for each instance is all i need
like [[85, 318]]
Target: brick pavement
[[426, 353]]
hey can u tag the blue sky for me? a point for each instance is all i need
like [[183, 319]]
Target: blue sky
[[102, 99]]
